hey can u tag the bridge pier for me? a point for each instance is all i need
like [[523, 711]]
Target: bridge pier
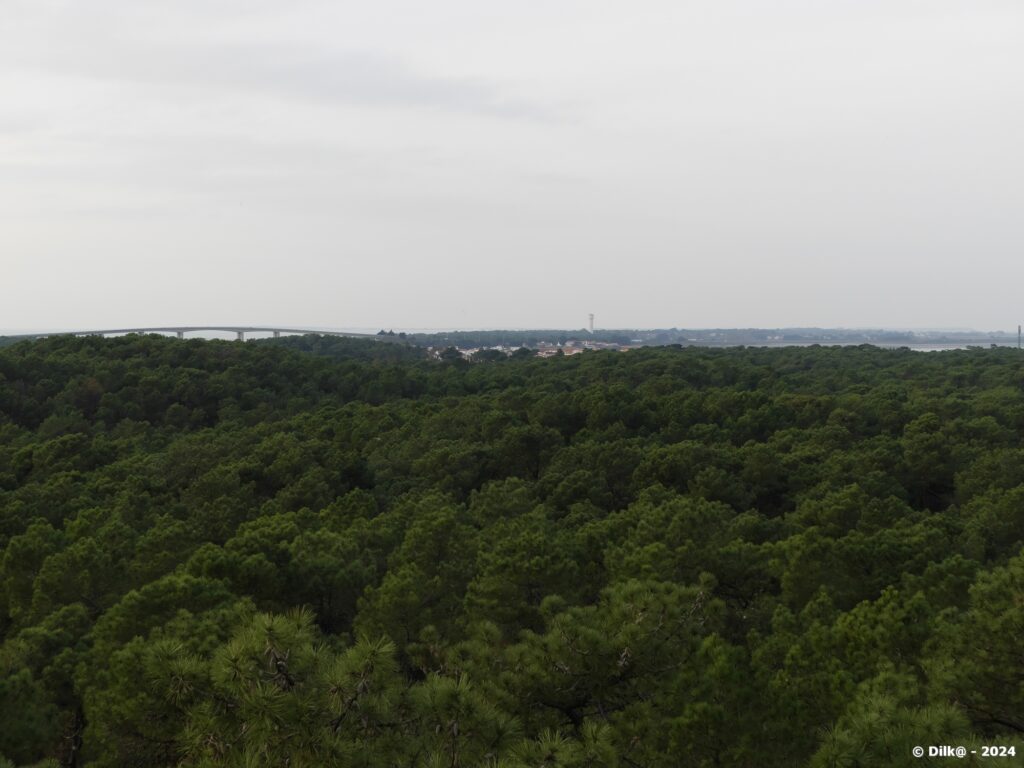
[[277, 334], [181, 334], [241, 335]]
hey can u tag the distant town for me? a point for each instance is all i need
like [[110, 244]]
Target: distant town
[[547, 343]]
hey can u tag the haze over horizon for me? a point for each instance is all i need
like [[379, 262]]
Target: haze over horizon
[[722, 163], [210, 330]]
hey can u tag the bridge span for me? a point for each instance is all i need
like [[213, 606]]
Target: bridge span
[[181, 330]]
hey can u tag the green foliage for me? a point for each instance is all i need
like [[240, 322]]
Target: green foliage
[[316, 551]]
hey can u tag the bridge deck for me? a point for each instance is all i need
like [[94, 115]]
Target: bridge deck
[[181, 329]]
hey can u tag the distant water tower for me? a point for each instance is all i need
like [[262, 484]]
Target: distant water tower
[[591, 322]]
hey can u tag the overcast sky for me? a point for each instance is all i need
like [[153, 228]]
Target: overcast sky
[[470, 163]]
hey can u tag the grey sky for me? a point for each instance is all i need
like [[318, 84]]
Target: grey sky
[[469, 163]]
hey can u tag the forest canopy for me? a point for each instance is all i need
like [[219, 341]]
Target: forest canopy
[[344, 554]]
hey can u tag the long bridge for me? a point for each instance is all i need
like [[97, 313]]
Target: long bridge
[[181, 330]]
